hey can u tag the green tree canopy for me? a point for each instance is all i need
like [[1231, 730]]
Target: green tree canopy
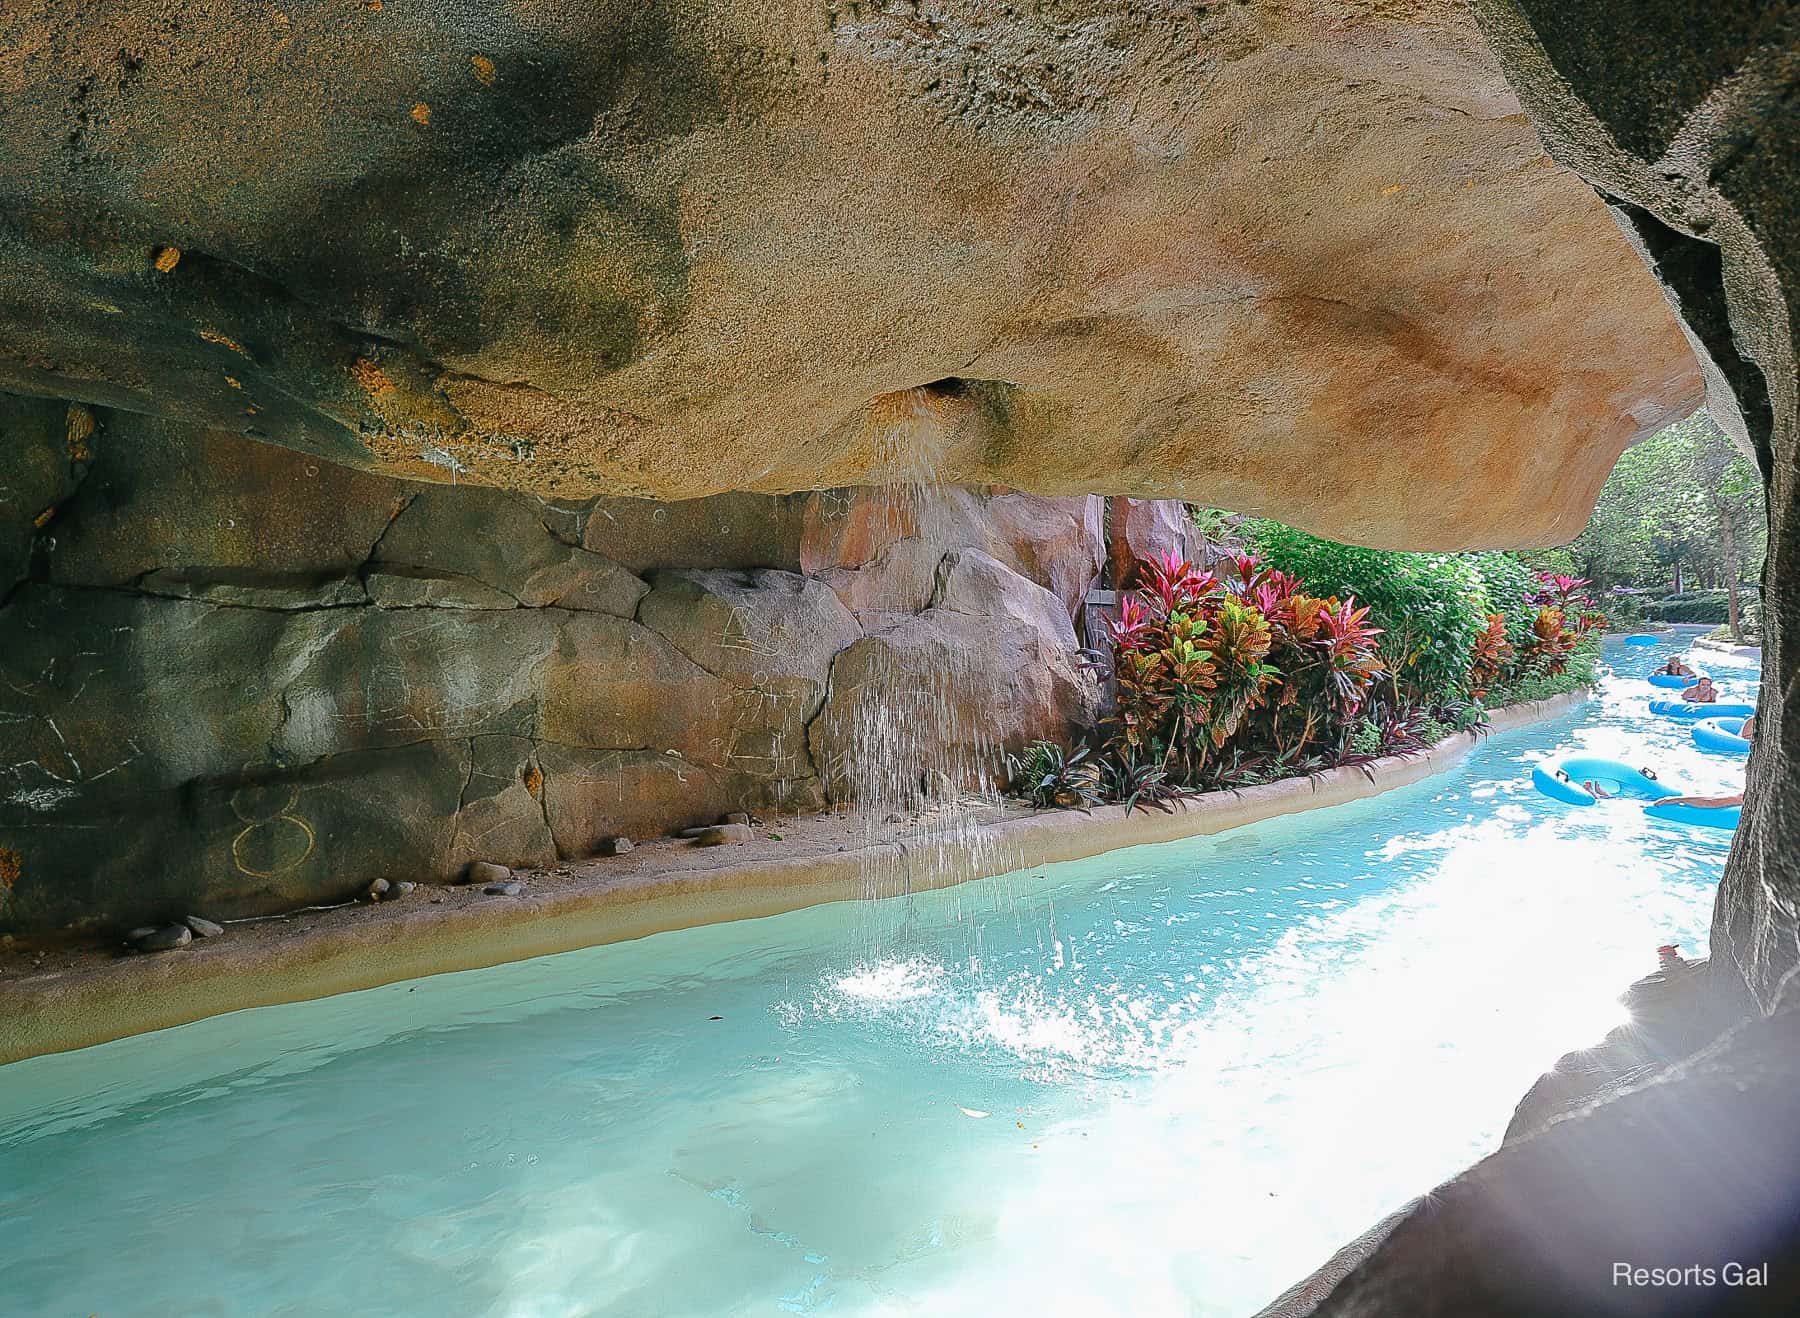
[[1684, 499]]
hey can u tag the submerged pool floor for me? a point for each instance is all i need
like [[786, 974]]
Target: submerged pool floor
[[1171, 1079]]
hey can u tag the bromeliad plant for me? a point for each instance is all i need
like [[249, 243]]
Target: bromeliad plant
[[1046, 775]]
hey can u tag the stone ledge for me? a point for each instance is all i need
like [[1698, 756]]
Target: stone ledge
[[661, 887], [1726, 647]]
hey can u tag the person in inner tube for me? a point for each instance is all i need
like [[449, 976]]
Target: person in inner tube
[[1715, 802], [1675, 668], [1702, 692]]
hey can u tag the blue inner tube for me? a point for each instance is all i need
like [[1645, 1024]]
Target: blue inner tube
[[1565, 780], [1695, 709], [1643, 639], [1697, 816], [1721, 735], [1672, 681]]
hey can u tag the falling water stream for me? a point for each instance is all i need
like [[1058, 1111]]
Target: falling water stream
[[1166, 1080], [921, 764]]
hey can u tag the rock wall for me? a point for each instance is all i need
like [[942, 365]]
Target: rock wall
[[236, 678]]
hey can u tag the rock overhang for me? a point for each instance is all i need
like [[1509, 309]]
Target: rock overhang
[[1294, 258]]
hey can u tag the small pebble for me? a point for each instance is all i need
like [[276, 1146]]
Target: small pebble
[[721, 834], [378, 889], [202, 927], [511, 888], [615, 846], [485, 871], [166, 939], [401, 889]]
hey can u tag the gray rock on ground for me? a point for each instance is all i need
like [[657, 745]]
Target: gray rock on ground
[[202, 927], [164, 939], [485, 871]]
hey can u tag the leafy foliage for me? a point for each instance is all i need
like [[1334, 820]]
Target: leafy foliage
[[1046, 775], [1681, 504], [1203, 660], [1429, 607]]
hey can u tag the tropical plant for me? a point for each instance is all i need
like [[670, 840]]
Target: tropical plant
[[1491, 656], [1426, 607], [1047, 775], [1134, 783], [1203, 659]]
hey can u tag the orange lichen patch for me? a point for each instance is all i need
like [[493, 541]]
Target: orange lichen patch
[[1393, 189], [43, 519], [166, 258], [484, 69], [224, 341], [234, 382], [79, 428], [421, 113], [534, 779], [9, 867], [373, 6], [371, 377]]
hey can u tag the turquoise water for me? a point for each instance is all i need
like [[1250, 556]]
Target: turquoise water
[[1169, 1080]]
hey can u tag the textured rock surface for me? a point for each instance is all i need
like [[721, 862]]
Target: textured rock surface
[[1683, 116], [1693, 1168], [879, 547], [989, 666], [268, 680], [1291, 257]]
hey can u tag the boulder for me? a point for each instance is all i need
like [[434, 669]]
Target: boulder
[[1144, 530], [164, 497], [1297, 260], [720, 835], [771, 636], [507, 544], [941, 696], [485, 871], [500, 811], [879, 547], [164, 939]]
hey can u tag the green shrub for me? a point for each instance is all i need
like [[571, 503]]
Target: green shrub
[[1581, 669], [1688, 610], [1430, 607], [1364, 739]]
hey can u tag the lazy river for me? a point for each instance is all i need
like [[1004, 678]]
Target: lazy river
[[1167, 1080]]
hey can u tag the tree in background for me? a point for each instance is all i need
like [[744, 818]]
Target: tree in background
[[1684, 500]]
